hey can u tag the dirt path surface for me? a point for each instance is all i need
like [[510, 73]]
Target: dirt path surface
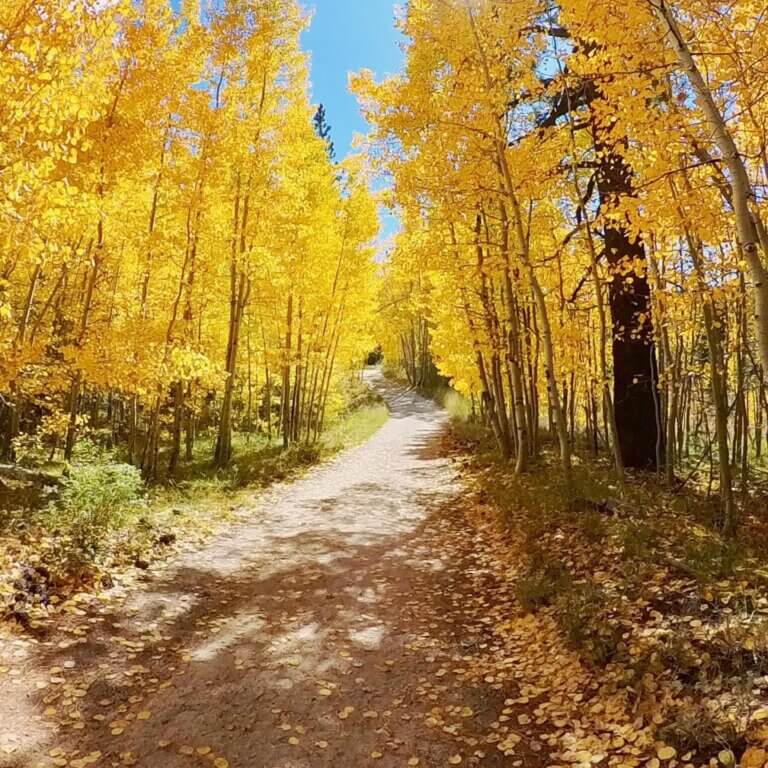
[[326, 628]]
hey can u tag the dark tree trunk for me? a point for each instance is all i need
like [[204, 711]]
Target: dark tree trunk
[[635, 367]]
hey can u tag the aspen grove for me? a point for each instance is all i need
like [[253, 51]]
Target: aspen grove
[[518, 295], [179, 255], [581, 186]]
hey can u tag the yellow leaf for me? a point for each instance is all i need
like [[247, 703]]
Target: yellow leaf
[[754, 758]]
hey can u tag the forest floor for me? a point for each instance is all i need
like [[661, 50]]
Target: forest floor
[[325, 627], [386, 610]]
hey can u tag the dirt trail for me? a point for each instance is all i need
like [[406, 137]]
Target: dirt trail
[[324, 629]]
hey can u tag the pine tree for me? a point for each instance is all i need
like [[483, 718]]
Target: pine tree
[[323, 130]]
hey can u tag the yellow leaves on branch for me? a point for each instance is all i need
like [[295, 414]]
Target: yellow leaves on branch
[[517, 143], [143, 160]]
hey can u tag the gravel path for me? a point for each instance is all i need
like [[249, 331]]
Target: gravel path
[[319, 631]]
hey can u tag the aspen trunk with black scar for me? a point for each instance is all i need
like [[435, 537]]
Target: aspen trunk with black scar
[[635, 369]]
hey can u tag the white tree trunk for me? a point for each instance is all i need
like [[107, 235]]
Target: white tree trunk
[[748, 224]]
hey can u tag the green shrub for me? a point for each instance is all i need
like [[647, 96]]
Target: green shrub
[[306, 455], [97, 498], [272, 464], [712, 559], [534, 532], [678, 658], [583, 616], [638, 541], [695, 727], [593, 526], [740, 649], [541, 588]]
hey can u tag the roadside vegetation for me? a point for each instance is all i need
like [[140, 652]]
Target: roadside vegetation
[[84, 524], [654, 610], [651, 609], [583, 257]]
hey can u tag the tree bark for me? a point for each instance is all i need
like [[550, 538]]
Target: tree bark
[[635, 367]]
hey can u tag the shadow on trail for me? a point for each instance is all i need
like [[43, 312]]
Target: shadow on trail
[[319, 634], [245, 659]]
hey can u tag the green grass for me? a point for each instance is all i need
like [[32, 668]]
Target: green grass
[[639, 540], [355, 428], [259, 461], [207, 496], [202, 497], [543, 586]]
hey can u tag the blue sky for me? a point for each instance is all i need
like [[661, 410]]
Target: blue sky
[[346, 36]]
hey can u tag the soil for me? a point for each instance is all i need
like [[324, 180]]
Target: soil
[[326, 627]]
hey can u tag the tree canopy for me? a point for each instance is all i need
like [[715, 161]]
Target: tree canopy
[[177, 250]]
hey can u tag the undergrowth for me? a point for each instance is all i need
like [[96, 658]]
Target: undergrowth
[[643, 588], [101, 517], [97, 498]]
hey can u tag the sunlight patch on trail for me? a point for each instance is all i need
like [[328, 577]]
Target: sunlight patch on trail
[[228, 634]]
